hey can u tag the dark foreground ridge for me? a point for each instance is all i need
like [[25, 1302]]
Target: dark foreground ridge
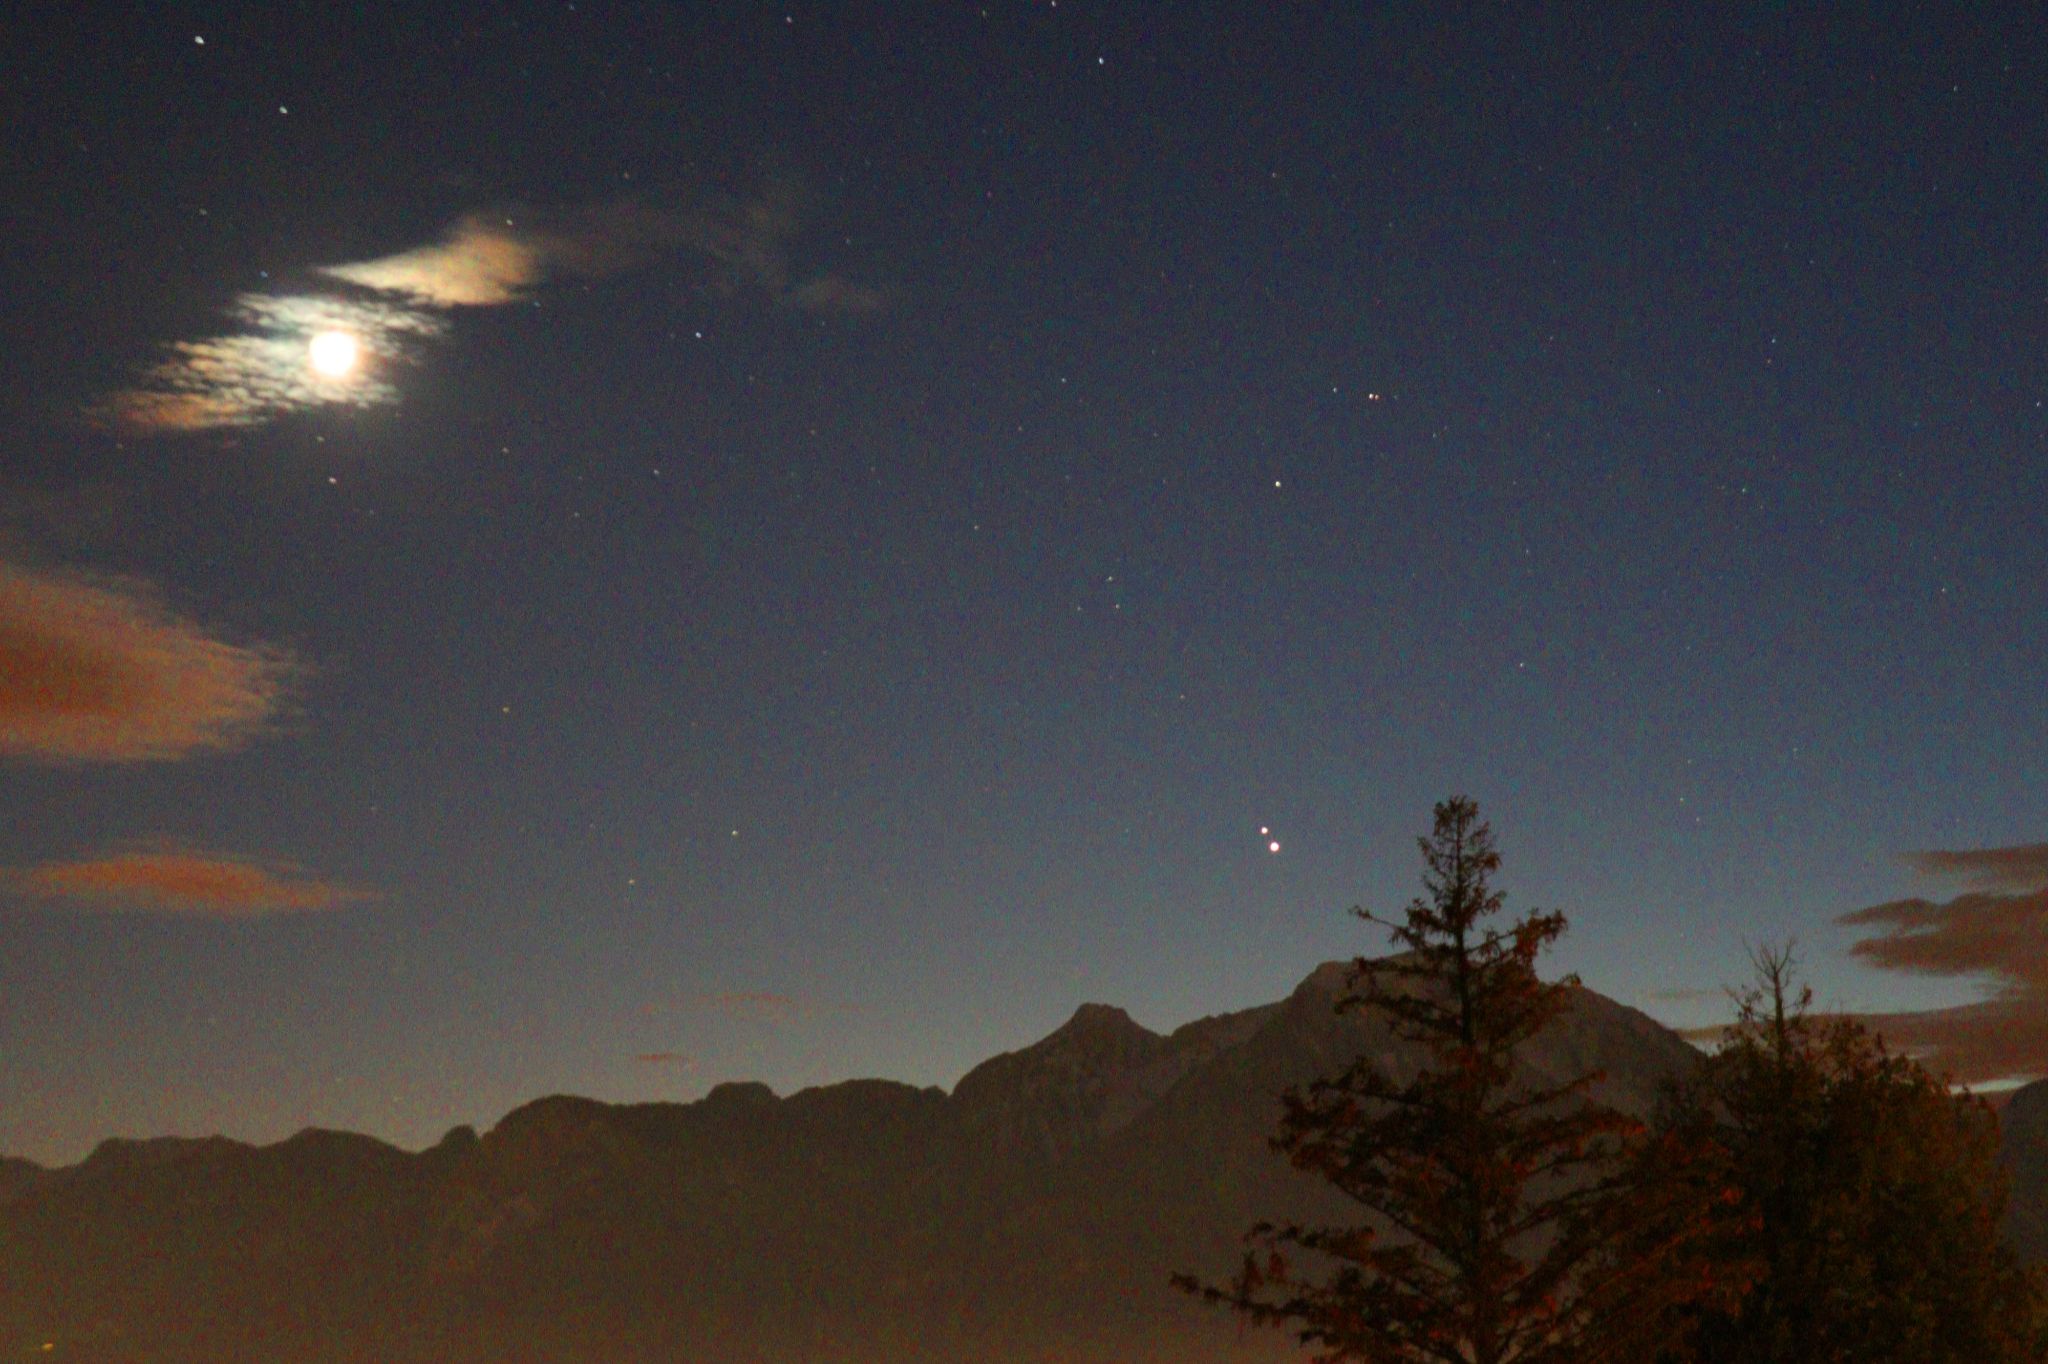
[[1034, 1213]]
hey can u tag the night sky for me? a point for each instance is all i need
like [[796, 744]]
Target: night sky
[[837, 533]]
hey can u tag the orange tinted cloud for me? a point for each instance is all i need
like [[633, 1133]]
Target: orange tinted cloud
[[99, 670], [2021, 868], [182, 883], [833, 294], [752, 1006], [490, 259], [1998, 936], [483, 262], [1974, 1044], [759, 1006]]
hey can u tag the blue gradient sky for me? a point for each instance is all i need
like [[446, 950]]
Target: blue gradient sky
[[1273, 417]]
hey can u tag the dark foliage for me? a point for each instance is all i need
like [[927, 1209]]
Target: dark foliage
[[1505, 1222], [1877, 1194]]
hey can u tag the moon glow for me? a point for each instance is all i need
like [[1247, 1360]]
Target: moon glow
[[334, 355]]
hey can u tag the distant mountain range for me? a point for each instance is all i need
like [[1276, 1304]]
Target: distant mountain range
[[1031, 1215]]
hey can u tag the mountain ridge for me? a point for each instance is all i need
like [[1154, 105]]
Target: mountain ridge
[[1055, 1185]]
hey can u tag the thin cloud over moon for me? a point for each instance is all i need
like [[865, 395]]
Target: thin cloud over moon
[[389, 304], [180, 882], [99, 670], [1998, 935], [267, 370]]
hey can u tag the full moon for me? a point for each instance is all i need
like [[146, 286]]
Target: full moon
[[334, 355]]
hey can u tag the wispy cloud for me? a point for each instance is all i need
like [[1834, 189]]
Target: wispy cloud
[[180, 882], [1996, 935], [677, 1059], [759, 1006], [1685, 994], [489, 259], [2021, 868], [834, 294], [751, 1006], [266, 370], [97, 669], [482, 263], [388, 304]]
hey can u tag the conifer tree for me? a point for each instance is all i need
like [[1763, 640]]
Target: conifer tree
[[1876, 1192], [1502, 1222]]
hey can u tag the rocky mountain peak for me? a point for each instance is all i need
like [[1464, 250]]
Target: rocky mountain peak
[[1332, 978], [737, 1094], [1063, 1092], [1098, 1029]]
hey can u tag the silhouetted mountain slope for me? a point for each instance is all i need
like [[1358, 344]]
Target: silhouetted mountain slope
[[17, 1177], [1032, 1214], [2023, 1127]]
